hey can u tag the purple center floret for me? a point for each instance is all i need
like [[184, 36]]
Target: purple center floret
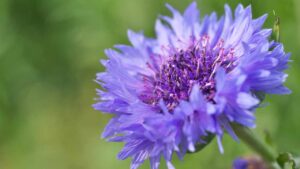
[[196, 65]]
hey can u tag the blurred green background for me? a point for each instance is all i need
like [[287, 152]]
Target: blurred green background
[[49, 55]]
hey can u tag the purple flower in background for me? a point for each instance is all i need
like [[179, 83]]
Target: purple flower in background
[[251, 162], [170, 93], [240, 163]]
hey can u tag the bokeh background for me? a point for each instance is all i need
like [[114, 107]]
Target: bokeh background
[[49, 55]]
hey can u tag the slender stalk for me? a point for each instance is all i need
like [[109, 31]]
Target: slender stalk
[[246, 135], [297, 161]]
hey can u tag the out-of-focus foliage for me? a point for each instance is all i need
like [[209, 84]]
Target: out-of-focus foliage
[[49, 55]]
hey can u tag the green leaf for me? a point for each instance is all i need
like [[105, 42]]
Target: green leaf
[[268, 138]]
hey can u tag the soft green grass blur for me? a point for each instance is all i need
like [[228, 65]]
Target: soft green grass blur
[[49, 55]]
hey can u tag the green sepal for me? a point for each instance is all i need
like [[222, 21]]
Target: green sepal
[[207, 139], [260, 95]]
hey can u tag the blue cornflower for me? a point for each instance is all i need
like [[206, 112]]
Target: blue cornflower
[[240, 163], [251, 162], [170, 93]]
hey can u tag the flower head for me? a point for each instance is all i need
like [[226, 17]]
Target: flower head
[[170, 93]]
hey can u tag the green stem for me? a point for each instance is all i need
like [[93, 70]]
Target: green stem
[[297, 161], [246, 135]]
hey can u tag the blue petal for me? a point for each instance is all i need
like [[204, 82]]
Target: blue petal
[[246, 101]]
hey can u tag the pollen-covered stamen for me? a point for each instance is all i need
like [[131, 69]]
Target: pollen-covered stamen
[[196, 65]]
